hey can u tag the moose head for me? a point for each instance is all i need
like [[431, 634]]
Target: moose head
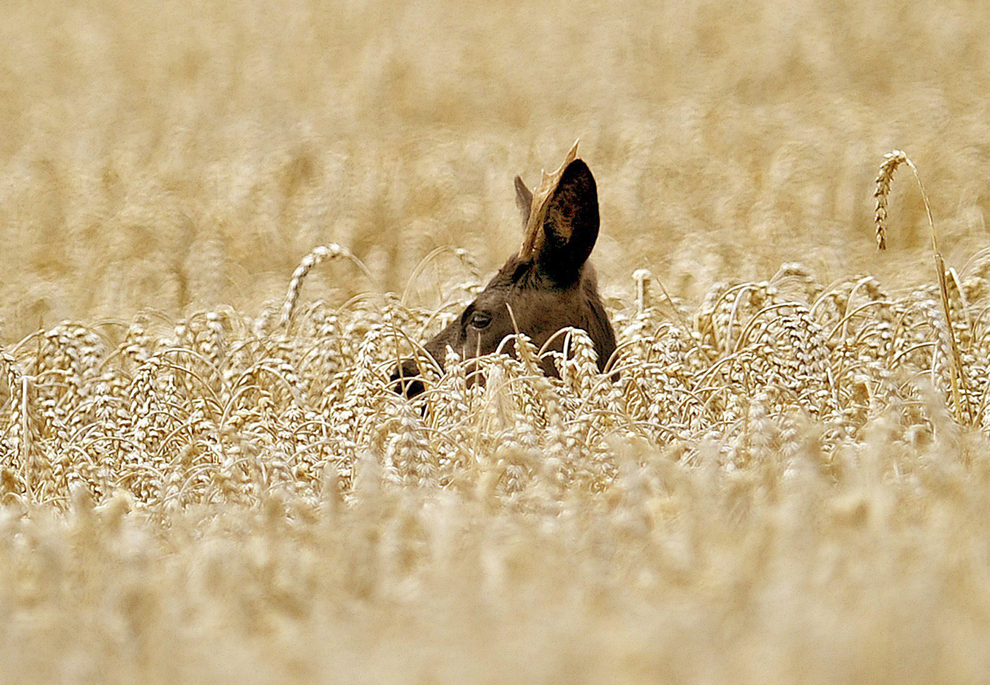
[[548, 285]]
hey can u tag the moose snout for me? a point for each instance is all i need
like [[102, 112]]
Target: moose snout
[[405, 379]]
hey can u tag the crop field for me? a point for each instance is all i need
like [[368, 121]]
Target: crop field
[[223, 223]]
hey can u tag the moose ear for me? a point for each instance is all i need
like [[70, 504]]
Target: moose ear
[[524, 200], [570, 225]]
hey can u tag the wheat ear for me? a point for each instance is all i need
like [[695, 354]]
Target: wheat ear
[[331, 251], [891, 161]]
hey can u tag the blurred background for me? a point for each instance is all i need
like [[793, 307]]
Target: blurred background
[[177, 156]]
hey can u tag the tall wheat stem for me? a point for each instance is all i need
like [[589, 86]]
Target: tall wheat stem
[[957, 380]]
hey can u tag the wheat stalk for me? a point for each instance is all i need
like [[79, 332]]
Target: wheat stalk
[[891, 161]]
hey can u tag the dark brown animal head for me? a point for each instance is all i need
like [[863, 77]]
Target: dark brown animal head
[[547, 286]]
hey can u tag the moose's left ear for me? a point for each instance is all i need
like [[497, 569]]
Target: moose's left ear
[[524, 200], [570, 225]]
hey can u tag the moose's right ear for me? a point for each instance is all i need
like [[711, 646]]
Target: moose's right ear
[[570, 225], [524, 200]]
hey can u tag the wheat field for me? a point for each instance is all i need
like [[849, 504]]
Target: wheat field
[[222, 223]]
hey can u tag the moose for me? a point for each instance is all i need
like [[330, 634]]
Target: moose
[[548, 285]]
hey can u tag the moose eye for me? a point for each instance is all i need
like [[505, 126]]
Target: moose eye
[[480, 320]]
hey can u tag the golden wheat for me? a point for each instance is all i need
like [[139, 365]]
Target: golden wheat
[[227, 486], [205, 476]]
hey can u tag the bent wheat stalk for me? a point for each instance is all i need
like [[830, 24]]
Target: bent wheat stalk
[[891, 161]]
